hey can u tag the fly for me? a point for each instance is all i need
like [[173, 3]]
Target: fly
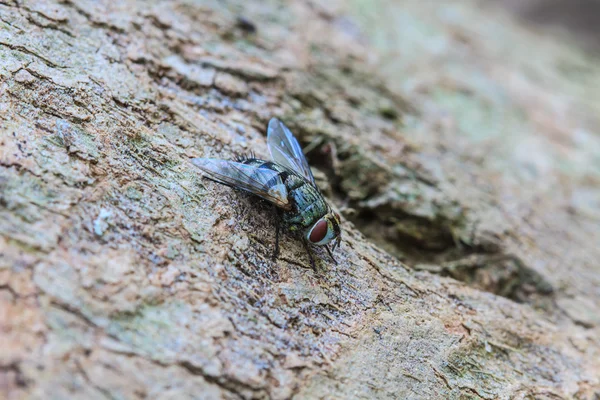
[[287, 182]]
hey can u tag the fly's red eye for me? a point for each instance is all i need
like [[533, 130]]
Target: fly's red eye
[[319, 231]]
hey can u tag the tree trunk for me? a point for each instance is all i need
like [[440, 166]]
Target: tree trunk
[[460, 147]]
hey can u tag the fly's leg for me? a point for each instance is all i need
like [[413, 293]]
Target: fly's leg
[[310, 256], [276, 251], [277, 229], [331, 255]]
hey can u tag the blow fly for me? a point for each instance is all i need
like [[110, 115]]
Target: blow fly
[[287, 182]]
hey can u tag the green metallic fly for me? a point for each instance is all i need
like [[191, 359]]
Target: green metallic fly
[[287, 182]]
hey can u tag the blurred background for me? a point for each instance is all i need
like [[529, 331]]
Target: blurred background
[[518, 90], [577, 18], [506, 106]]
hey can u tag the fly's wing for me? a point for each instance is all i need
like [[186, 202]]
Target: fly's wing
[[285, 149], [262, 182]]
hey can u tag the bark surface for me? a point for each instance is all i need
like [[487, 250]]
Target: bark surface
[[466, 171]]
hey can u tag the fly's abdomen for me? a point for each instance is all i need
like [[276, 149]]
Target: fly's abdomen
[[276, 184]]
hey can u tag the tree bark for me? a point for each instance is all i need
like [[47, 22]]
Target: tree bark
[[465, 174]]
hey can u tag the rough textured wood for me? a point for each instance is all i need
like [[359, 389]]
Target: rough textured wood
[[124, 275]]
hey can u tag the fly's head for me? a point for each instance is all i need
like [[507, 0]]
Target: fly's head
[[326, 230]]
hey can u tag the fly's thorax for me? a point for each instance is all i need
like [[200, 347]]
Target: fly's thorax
[[308, 206]]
